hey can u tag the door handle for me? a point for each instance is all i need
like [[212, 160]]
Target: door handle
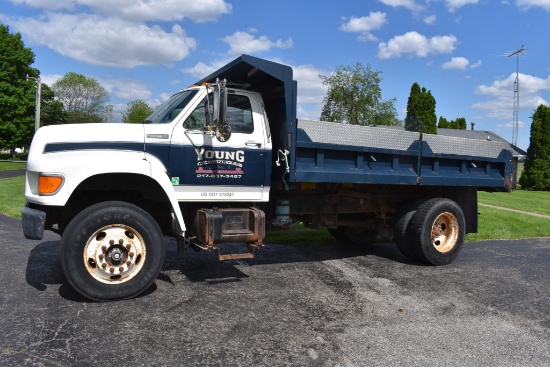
[[253, 144]]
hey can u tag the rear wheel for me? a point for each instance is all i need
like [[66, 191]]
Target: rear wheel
[[112, 250], [437, 231]]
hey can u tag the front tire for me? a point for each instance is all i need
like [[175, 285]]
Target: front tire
[[112, 250], [437, 231]]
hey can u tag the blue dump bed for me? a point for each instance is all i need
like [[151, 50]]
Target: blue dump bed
[[333, 152], [340, 153]]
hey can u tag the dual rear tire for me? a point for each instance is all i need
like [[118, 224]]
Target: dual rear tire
[[431, 231]]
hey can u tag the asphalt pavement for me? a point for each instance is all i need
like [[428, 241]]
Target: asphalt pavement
[[293, 305], [12, 173]]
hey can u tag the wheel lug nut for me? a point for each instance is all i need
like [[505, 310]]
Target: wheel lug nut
[[104, 265], [120, 268], [128, 246], [101, 256], [128, 263], [121, 241], [112, 270], [104, 248], [131, 254]]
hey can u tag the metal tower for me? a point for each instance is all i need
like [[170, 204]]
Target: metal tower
[[515, 120]]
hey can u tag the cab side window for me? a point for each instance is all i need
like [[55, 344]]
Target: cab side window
[[239, 114], [197, 118]]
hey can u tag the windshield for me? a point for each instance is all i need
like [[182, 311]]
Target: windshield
[[167, 112]]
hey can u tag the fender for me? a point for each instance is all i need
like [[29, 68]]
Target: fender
[[77, 166]]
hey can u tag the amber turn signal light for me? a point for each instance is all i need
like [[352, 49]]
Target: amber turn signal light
[[48, 185]]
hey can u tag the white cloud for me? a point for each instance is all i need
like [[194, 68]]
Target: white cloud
[[47, 4], [408, 4], [501, 93], [50, 79], [311, 91], [365, 25], [163, 10], [476, 64], [201, 70], [453, 5], [310, 87], [456, 63], [244, 43], [526, 4], [416, 44], [103, 41], [510, 125], [430, 19], [126, 89]]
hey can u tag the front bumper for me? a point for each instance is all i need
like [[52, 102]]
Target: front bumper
[[33, 223]]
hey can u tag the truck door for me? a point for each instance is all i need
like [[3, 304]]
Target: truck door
[[205, 169]]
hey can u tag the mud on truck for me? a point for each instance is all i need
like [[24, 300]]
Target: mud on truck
[[225, 160]]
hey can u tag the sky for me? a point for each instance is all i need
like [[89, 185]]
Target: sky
[[150, 49]]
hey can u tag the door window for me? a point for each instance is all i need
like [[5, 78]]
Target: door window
[[239, 115]]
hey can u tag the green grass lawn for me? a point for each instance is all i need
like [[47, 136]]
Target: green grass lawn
[[7, 166], [529, 201], [496, 224], [12, 196]]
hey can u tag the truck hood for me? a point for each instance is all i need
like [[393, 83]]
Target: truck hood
[[60, 136]]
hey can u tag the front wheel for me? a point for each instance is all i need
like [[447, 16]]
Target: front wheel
[[112, 250], [437, 231]]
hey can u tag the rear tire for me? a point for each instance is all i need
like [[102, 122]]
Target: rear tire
[[401, 237], [437, 231], [112, 250]]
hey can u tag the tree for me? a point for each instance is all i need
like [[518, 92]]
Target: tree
[[17, 93], [536, 172], [83, 97], [136, 112], [354, 96], [421, 111], [51, 110], [459, 124], [443, 123]]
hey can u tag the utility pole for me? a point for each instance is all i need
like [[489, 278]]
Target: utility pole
[[515, 120], [37, 108]]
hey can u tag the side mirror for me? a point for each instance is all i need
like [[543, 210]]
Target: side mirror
[[223, 132], [221, 128]]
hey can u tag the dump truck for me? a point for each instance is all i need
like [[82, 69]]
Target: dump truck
[[226, 160]]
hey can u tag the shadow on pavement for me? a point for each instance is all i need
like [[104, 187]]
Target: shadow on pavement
[[44, 268]]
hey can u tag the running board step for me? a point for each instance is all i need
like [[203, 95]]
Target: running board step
[[225, 257]]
